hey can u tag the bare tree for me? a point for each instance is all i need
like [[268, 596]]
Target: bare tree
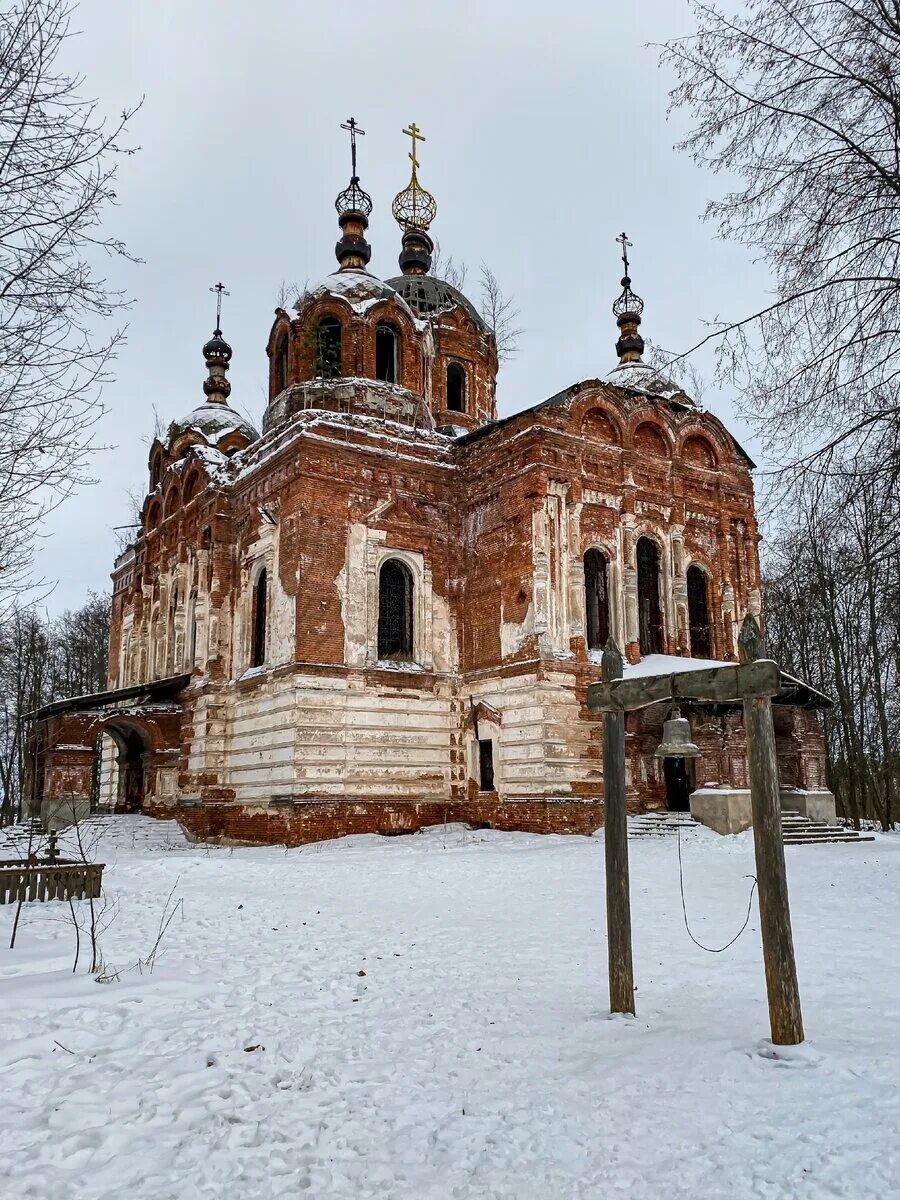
[[79, 648], [42, 660], [448, 269], [831, 584], [684, 370], [58, 159], [288, 294], [800, 101], [24, 676], [498, 311], [500, 314]]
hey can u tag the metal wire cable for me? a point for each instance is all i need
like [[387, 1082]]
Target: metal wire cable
[[710, 949]]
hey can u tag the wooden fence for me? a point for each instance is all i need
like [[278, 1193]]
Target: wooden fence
[[63, 879]]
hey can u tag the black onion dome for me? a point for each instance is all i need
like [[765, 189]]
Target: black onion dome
[[217, 348], [354, 199], [427, 296]]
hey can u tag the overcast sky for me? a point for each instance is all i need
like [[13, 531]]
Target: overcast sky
[[547, 135]]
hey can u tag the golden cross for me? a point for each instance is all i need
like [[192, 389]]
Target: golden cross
[[412, 131]]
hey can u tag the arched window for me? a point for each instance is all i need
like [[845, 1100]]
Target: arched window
[[156, 465], [649, 611], [260, 600], [171, 503], [698, 612], [456, 387], [281, 367], [328, 348], [596, 600], [192, 486], [395, 612], [387, 352]]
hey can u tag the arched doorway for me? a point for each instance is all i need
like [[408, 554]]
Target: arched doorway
[[124, 779], [678, 777]]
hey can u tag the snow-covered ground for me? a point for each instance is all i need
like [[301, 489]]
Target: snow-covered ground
[[473, 1058]]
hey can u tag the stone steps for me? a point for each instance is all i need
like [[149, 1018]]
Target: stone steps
[[659, 824], [796, 830]]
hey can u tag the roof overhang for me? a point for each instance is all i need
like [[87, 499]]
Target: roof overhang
[[156, 692]]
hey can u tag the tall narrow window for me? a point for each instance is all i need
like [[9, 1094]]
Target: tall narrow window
[[649, 612], [192, 639], [155, 469], [698, 612], [282, 366], [395, 631], [596, 600], [328, 348], [387, 348], [260, 600], [485, 764], [456, 388]]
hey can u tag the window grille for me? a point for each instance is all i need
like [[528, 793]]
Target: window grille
[[395, 639]]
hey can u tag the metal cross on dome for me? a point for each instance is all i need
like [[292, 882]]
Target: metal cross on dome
[[351, 125], [220, 290], [412, 131], [623, 238]]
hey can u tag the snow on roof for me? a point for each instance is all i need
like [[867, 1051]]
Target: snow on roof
[[213, 422], [360, 289], [642, 377], [793, 690], [306, 422], [670, 664]]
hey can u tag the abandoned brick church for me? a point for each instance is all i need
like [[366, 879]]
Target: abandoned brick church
[[383, 609]]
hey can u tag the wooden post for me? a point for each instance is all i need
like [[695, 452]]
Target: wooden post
[[618, 901], [785, 1018]]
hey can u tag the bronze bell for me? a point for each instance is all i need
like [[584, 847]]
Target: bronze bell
[[676, 741]]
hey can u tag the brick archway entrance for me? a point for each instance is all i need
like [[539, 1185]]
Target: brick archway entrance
[[132, 746], [143, 724]]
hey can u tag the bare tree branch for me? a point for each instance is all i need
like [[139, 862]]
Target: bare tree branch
[[58, 160], [801, 103]]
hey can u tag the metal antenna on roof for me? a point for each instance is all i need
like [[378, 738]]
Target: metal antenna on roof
[[220, 290]]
